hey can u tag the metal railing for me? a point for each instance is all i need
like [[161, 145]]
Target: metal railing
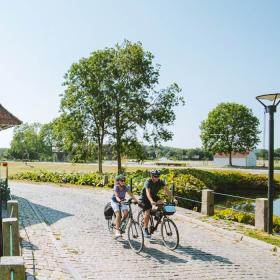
[[188, 199], [12, 274], [11, 249], [232, 208], [199, 201], [11, 240]]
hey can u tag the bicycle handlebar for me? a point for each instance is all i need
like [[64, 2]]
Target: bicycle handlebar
[[127, 202]]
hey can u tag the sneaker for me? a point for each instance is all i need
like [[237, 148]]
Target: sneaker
[[118, 234], [146, 233]]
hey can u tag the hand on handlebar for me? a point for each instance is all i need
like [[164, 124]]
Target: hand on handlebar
[[175, 201]]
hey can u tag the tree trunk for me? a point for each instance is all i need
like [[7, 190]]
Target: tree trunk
[[230, 158], [119, 159], [100, 157]]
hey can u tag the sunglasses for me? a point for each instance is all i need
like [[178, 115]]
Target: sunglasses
[[122, 180], [155, 176]]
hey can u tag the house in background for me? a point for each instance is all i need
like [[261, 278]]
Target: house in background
[[238, 159]]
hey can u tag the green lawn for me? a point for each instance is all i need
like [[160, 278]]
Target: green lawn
[[15, 167]]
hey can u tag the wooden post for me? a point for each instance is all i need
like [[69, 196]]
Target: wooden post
[[12, 208], [10, 237], [261, 214], [207, 206], [15, 264], [105, 180]]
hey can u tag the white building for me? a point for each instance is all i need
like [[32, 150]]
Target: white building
[[238, 159]]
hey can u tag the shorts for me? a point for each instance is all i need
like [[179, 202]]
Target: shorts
[[118, 207], [147, 203]]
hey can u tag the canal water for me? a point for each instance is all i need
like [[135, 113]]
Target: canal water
[[276, 207]]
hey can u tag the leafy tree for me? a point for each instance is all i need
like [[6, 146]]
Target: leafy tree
[[136, 105], [263, 153], [229, 128], [112, 94], [67, 136], [26, 143], [85, 104]]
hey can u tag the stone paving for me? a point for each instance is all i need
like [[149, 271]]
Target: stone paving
[[65, 237]]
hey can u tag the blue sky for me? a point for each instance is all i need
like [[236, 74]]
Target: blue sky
[[217, 51]]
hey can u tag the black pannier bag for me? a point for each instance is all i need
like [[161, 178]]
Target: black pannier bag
[[108, 211]]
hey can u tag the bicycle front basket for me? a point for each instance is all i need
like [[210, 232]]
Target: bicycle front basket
[[169, 209]]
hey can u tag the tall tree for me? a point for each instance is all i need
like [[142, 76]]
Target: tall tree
[[113, 94], [26, 143], [229, 128], [136, 103], [85, 100]]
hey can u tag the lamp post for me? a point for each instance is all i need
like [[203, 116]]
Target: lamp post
[[270, 109]]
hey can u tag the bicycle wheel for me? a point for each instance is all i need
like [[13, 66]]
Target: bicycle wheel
[[110, 223], [140, 218], [135, 237], [169, 234]]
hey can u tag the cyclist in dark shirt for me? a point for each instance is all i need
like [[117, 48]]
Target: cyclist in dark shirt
[[149, 196]]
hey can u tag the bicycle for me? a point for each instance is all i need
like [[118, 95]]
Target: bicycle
[[134, 232], [168, 229]]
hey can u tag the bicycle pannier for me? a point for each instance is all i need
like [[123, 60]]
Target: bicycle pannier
[[108, 211], [169, 209]]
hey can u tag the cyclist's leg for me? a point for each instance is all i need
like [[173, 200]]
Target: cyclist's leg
[[116, 208], [124, 209], [118, 219], [147, 215]]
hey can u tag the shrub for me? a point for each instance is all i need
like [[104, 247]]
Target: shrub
[[231, 215]]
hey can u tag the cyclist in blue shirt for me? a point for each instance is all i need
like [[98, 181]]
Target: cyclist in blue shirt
[[149, 196], [120, 190]]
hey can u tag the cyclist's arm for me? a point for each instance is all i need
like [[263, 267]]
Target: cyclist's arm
[[117, 197], [148, 192]]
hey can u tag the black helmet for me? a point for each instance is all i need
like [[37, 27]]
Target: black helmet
[[120, 177], [155, 173]]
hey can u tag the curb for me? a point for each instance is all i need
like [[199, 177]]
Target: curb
[[235, 236]]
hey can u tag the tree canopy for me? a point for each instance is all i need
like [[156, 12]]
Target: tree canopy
[[113, 95], [230, 127]]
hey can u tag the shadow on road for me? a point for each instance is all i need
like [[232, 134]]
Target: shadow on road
[[162, 256], [197, 254], [28, 216]]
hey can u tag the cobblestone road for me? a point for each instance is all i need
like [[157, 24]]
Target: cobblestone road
[[65, 237]]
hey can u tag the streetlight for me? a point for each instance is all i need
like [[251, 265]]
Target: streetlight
[[273, 98]]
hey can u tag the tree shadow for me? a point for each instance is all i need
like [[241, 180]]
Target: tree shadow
[[27, 245], [197, 254], [29, 211]]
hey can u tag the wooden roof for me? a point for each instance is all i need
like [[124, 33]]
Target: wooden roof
[[7, 119]]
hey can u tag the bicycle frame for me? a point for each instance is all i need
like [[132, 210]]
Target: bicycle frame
[[154, 227], [129, 217]]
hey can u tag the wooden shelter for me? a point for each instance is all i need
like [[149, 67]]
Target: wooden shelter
[[7, 119]]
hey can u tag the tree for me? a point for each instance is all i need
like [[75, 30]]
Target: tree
[[26, 143], [229, 128], [135, 103], [85, 103], [67, 136], [113, 94]]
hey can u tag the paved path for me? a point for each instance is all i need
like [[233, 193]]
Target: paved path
[[65, 237]]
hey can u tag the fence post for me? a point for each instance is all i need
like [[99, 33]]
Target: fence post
[[105, 180], [131, 187], [15, 264], [207, 206], [261, 214], [172, 189], [12, 208], [10, 230]]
